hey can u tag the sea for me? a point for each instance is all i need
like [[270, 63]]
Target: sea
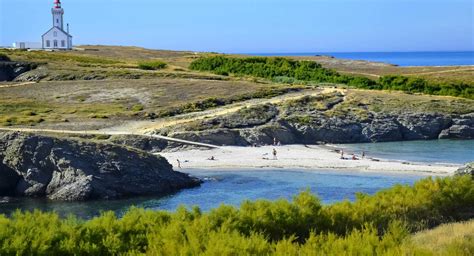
[[232, 187], [405, 59]]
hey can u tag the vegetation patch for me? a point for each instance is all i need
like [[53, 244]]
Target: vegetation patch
[[372, 225], [43, 56], [152, 65], [31, 112], [265, 92], [292, 71], [4, 57]]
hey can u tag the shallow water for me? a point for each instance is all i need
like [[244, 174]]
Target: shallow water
[[432, 151], [233, 187]]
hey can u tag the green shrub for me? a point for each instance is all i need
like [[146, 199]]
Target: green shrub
[[4, 57], [137, 108], [152, 65], [282, 70], [372, 225]]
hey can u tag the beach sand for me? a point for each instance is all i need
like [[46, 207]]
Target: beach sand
[[297, 157]]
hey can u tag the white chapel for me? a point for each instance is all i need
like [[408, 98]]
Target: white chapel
[[57, 38]]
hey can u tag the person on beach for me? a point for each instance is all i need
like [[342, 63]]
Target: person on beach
[[363, 154], [212, 158], [342, 154], [179, 163], [275, 154], [274, 141], [354, 157]]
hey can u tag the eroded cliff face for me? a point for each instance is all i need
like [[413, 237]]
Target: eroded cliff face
[[332, 119], [11, 70], [70, 170]]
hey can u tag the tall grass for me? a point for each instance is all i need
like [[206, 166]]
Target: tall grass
[[372, 225]]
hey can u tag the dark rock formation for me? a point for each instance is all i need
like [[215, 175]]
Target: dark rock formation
[[148, 144], [10, 70], [67, 170], [462, 128], [306, 125]]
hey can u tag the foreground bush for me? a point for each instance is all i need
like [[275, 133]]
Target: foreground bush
[[291, 71], [372, 225]]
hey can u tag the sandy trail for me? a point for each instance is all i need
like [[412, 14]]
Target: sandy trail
[[297, 157], [16, 84]]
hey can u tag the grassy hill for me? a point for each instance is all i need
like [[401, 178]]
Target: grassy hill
[[99, 86]]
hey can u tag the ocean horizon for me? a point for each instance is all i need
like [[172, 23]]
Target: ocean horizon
[[404, 59]]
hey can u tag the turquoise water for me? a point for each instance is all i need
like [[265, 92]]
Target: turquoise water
[[399, 58], [433, 151], [233, 187]]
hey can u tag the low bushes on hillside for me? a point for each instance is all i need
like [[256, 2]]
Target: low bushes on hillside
[[372, 225], [4, 57], [152, 65], [291, 71]]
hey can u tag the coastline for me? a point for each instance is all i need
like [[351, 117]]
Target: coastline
[[297, 157]]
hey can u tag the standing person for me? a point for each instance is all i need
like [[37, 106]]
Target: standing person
[[363, 154], [274, 141], [179, 163], [275, 154], [342, 153]]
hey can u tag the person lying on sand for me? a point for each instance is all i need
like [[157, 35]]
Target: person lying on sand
[[354, 157], [212, 158]]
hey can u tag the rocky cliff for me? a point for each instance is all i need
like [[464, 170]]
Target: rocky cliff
[[67, 169], [335, 118], [11, 70]]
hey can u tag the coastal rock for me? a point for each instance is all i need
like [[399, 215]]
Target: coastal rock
[[10, 70], [462, 128], [331, 130], [152, 145], [468, 169], [383, 129], [214, 137], [265, 135], [69, 170], [8, 179], [423, 126]]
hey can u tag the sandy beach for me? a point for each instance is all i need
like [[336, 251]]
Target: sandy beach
[[297, 157]]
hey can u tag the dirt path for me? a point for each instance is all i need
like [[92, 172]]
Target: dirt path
[[146, 127], [16, 85]]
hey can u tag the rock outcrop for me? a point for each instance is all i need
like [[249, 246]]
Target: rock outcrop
[[321, 120], [70, 170], [11, 70], [468, 169]]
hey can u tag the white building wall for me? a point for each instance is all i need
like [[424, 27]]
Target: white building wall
[[27, 45], [57, 39]]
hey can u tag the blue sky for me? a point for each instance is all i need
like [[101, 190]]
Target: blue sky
[[252, 26]]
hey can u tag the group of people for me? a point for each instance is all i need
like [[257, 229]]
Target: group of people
[[354, 157]]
